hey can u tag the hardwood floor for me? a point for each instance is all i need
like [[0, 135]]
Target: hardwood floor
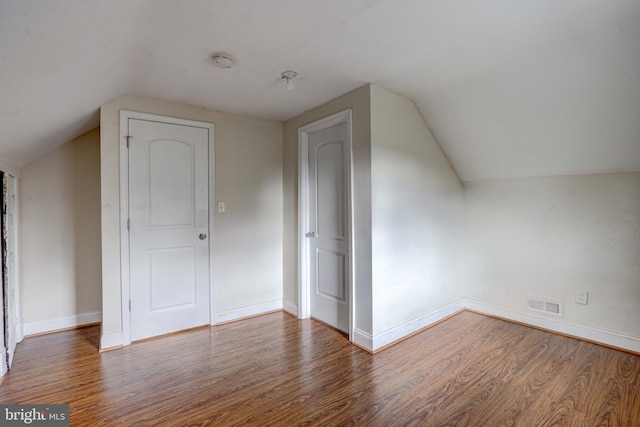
[[470, 370]]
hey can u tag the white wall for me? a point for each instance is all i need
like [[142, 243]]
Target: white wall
[[60, 236], [549, 238], [417, 217], [247, 238]]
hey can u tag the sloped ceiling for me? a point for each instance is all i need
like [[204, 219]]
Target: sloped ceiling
[[510, 88]]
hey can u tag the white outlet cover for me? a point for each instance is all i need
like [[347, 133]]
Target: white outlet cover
[[582, 297]]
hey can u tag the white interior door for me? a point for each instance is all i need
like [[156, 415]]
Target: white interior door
[[169, 227], [328, 232]]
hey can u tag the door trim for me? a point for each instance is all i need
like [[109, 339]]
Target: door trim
[[125, 115], [304, 282]]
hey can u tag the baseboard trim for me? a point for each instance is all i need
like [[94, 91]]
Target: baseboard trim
[[362, 339], [292, 309], [407, 329], [586, 333], [111, 341], [249, 311], [380, 341], [60, 324]]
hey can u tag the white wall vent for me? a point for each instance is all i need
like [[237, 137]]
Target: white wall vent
[[544, 306]]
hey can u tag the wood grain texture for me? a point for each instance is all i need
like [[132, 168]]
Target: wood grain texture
[[470, 370]]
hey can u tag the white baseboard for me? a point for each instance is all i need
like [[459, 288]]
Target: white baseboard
[[109, 341], [43, 326], [249, 311], [292, 309], [116, 339], [608, 338], [407, 328], [604, 337], [363, 339]]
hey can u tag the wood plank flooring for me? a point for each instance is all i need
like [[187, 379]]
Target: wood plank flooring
[[470, 370]]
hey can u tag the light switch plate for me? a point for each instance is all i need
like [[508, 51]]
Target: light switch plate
[[221, 207], [582, 297]]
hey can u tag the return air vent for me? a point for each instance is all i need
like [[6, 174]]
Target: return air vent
[[543, 306]]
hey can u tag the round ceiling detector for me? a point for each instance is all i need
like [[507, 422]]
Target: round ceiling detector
[[222, 60]]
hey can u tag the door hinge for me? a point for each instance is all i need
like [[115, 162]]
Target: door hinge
[[128, 224], [128, 137], [129, 305]]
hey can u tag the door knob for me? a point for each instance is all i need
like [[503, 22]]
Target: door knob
[[202, 236], [311, 234]]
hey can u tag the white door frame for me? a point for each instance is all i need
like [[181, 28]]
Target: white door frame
[[304, 282], [124, 209]]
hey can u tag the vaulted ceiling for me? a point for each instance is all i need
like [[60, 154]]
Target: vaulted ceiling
[[509, 88]]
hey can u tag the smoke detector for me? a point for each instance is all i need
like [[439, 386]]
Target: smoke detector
[[222, 60]]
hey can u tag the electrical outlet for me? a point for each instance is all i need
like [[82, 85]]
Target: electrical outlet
[[582, 297]]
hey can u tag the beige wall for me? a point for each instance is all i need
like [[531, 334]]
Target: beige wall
[[60, 233], [247, 238], [417, 217], [549, 238], [359, 102]]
